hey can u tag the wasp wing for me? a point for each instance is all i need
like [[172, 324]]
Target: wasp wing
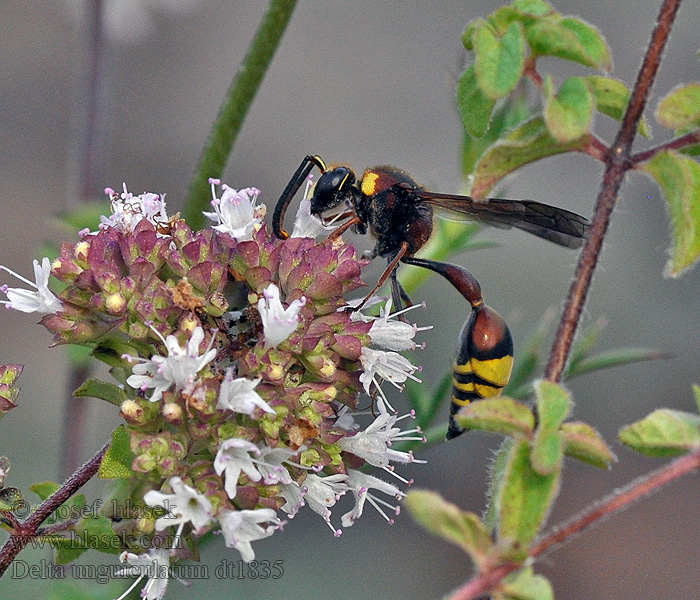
[[557, 225]]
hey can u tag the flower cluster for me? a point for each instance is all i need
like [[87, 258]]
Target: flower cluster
[[241, 363]]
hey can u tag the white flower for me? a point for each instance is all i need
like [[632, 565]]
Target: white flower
[[391, 366], [271, 461], [293, 493], [240, 527], [321, 493], [128, 210], [238, 395], [29, 301], [235, 212], [373, 443], [393, 334], [360, 484], [184, 505], [180, 367], [278, 323], [233, 457], [307, 225], [155, 564]]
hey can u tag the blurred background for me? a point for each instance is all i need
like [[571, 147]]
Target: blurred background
[[365, 83]]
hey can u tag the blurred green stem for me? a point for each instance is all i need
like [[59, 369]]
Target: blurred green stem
[[235, 108]]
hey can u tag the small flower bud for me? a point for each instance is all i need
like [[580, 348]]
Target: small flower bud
[[131, 412], [115, 303], [172, 413]]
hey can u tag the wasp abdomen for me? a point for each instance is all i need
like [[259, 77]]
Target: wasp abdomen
[[483, 363]]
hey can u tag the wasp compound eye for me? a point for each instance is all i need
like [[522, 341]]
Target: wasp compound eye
[[483, 362]]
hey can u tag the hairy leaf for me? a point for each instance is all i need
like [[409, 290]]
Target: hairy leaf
[[449, 522], [525, 497], [527, 143], [499, 62], [679, 178], [680, 108], [568, 112], [664, 432]]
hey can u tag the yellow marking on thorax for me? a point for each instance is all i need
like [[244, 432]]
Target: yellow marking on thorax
[[369, 183]]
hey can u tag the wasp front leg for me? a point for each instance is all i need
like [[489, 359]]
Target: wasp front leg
[[293, 186]]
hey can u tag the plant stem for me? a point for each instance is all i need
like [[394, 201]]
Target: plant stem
[[235, 108], [617, 164], [23, 534], [618, 500], [489, 579], [680, 142]]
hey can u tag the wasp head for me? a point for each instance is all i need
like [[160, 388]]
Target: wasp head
[[333, 187]]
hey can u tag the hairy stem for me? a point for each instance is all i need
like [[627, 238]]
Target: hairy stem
[[617, 501], [617, 164], [235, 108], [23, 534], [680, 142]]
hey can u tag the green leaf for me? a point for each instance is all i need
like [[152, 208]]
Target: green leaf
[[537, 8], [584, 443], [568, 113], [616, 357], [445, 520], [571, 39], [524, 498], [117, 461], [696, 395], [498, 415], [499, 62], [95, 532], [524, 585], [553, 406], [680, 108], [527, 143], [611, 97], [582, 362], [44, 489], [664, 432], [496, 478], [474, 106], [679, 178], [509, 113], [468, 33], [94, 388], [66, 550]]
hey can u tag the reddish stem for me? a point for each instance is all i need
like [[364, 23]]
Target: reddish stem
[[680, 142], [617, 163], [490, 578], [22, 534]]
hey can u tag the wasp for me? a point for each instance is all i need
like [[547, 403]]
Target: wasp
[[387, 203]]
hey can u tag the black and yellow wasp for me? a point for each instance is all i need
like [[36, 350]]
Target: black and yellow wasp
[[398, 213]]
